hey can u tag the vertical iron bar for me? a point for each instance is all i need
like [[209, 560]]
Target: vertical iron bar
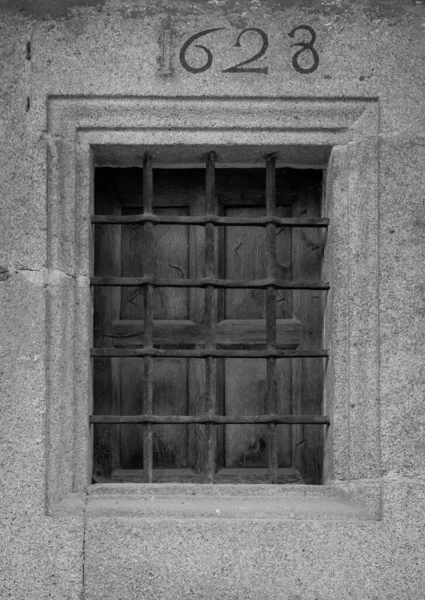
[[148, 318], [90, 470], [210, 316], [271, 397]]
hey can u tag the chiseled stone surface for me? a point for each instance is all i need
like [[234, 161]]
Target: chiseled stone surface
[[110, 48], [164, 559], [206, 542], [402, 286], [23, 392], [225, 501], [42, 556]]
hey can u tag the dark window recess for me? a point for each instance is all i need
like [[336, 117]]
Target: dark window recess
[[208, 363]]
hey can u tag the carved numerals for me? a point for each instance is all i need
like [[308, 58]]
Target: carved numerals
[[241, 67], [305, 47], [187, 45]]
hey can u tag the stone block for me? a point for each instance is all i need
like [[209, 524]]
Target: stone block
[[402, 284], [23, 384], [23, 223], [101, 60], [41, 558], [237, 558]]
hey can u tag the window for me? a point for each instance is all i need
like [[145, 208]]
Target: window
[[208, 316], [88, 134]]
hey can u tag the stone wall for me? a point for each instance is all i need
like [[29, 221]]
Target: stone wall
[[58, 540]]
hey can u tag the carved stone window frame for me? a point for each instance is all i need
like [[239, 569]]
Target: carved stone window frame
[[345, 130]]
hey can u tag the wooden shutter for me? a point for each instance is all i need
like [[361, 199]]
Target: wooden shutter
[[182, 317]]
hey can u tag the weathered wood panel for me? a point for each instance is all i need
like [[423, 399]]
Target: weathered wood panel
[[197, 456], [171, 251], [132, 307], [179, 383], [132, 258], [246, 257], [197, 392], [181, 187], [171, 259], [171, 256], [284, 311], [245, 380], [231, 284], [106, 371], [245, 394], [307, 253], [170, 397], [131, 446], [137, 219], [227, 419], [271, 379], [230, 333], [203, 353]]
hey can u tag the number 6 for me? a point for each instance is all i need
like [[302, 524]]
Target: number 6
[[186, 46]]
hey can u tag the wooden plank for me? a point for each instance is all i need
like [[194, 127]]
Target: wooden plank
[[271, 378], [132, 369], [148, 386], [308, 308], [197, 443], [234, 187], [284, 311], [245, 187], [212, 282], [218, 353], [171, 251], [220, 317], [197, 433], [106, 401], [106, 375], [223, 419], [210, 389], [245, 254], [229, 333], [245, 386], [284, 298], [170, 382], [210, 318], [148, 316], [170, 219], [132, 265], [245, 394], [131, 436], [223, 476], [170, 375], [172, 186]]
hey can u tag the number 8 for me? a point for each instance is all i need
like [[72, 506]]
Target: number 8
[[304, 47]]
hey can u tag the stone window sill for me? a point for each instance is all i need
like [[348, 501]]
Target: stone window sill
[[194, 501]]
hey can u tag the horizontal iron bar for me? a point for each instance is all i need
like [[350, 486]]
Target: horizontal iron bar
[[281, 284], [217, 419], [200, 353], [204, 220]]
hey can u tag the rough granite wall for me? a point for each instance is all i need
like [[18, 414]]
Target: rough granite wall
[[113, 48]]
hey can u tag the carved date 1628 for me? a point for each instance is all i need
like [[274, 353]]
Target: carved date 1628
[[305, 46]]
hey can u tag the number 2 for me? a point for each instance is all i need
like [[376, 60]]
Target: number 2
[[239, 68]]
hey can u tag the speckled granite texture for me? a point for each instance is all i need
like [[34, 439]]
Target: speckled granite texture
[[362, 536]]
